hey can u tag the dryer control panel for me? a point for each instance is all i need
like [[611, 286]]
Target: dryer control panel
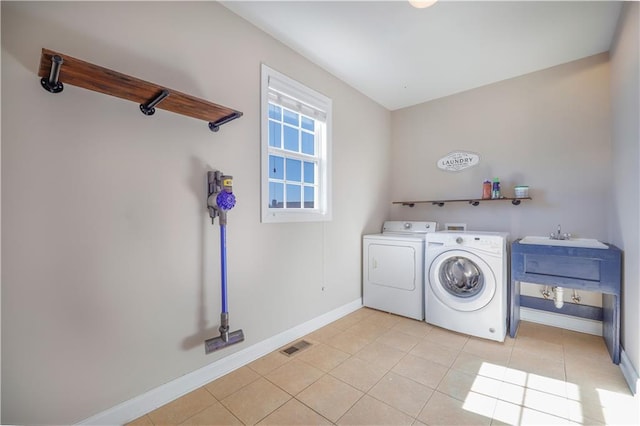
[[409, 227]]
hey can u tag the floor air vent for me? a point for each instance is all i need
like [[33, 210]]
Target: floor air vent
[[295, 348]]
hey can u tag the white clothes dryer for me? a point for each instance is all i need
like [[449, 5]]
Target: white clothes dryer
[[393, 268], [466, 282]]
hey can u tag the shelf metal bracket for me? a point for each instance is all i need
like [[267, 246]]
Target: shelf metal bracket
[[214, 126], [52, 84], [149, 107], [147, 95], [472, 201]]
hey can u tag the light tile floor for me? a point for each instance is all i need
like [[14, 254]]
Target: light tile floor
[[374, 368]]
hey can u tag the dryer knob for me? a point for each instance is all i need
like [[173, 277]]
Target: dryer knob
[[459, 240]]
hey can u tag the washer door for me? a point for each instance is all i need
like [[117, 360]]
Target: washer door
[[462, 280]]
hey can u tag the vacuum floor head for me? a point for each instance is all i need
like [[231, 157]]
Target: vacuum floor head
[[224, 340]]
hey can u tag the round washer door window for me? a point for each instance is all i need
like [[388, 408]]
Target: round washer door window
[[461, 277], [462, 280]]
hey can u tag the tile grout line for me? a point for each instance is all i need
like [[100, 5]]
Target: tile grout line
[[367, 392], [324, 373], [220, 402], [312, 409], [348, 384], [389, 370], [449, 369]]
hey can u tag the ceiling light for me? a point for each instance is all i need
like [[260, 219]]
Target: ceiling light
[[421, 4]]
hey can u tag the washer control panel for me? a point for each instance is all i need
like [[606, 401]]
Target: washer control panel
[[490, 242]]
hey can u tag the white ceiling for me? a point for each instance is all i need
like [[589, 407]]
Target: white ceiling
[[401, 56]]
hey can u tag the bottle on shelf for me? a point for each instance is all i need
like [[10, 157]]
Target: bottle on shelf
[[495, 189], [486, 190]]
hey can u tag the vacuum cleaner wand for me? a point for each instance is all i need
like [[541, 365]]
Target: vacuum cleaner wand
[[220, 200]]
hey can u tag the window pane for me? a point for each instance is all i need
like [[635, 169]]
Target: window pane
[[275, 112], [309, 193], [307, 143], [294, 170], [276, 167], [308, 123], [291, 139], [294, 151], [309, 172], [276, 195], [291, 117], [275, 133], [293, 196]]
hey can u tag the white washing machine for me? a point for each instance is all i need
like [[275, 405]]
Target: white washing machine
[[393, 268], [466, 282]]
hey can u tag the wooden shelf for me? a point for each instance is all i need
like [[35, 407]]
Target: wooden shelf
[[472, 201], [149, 95]]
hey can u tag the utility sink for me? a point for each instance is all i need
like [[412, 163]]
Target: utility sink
[[572, 242]]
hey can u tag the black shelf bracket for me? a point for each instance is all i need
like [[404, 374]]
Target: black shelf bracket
[[149, 107], [472, 201], [52, 84], [215, 125], [146, 95]]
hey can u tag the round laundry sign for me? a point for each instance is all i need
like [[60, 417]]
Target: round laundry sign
[[458, 160]]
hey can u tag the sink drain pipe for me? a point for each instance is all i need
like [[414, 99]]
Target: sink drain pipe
[[558, 297]]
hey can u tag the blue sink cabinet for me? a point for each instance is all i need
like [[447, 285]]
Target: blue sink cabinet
[[589, 269]]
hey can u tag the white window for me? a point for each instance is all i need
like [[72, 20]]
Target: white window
[[296, 142]]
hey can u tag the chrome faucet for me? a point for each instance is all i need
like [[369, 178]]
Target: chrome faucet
[[558, 235]]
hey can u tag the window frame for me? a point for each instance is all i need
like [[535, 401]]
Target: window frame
[[294, 96]]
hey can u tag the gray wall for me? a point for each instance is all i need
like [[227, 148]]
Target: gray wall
[[625, 214], [110, 278], [549, 130], [569, 132]]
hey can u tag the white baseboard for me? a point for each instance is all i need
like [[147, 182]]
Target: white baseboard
[[568, 322], [630, 374], [149, 401]]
